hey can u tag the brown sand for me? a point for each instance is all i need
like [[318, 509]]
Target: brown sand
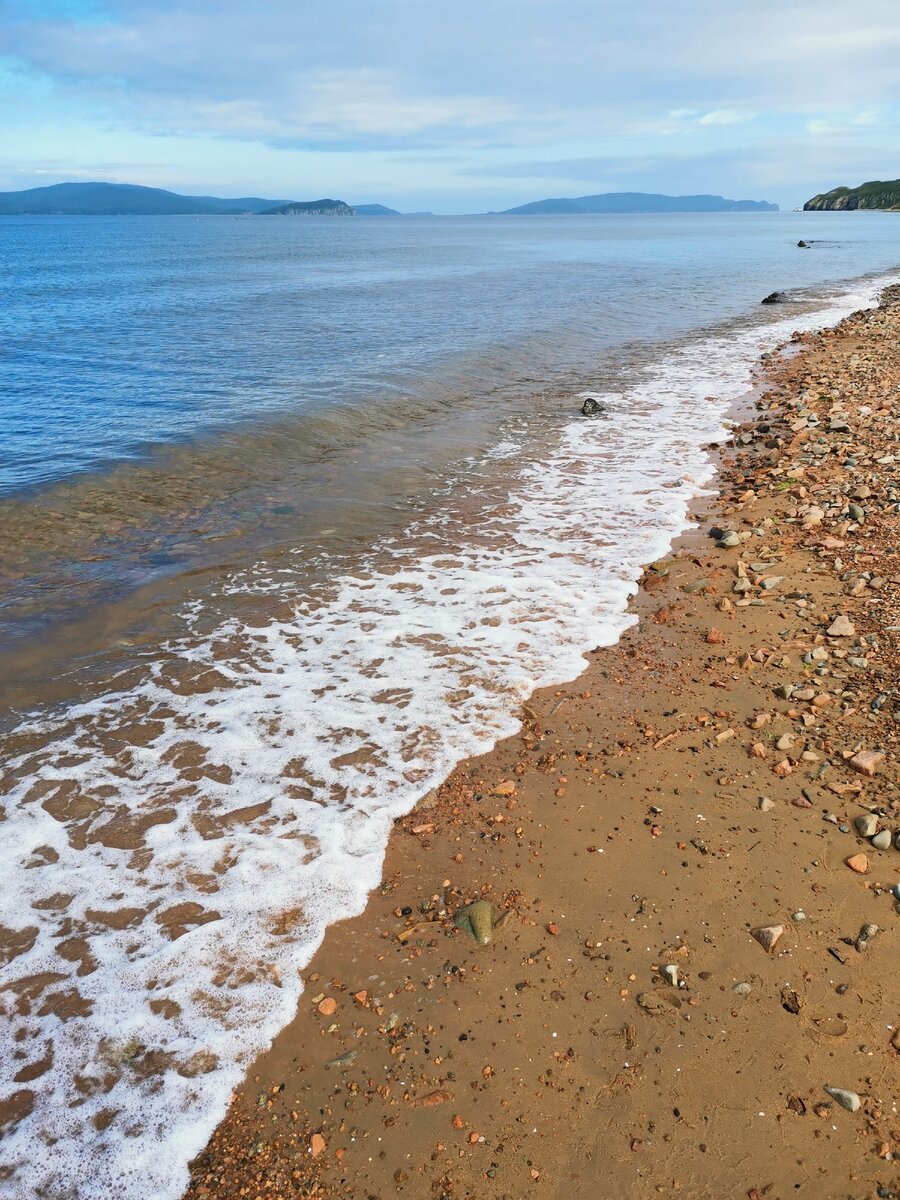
[[623, 832]]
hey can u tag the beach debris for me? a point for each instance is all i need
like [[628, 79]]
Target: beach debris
[[845, 1098], [866, 762], [858, 863], [671, 974], [866, 824], [479, 920], [882, 840], [767, 936], [841, 627]]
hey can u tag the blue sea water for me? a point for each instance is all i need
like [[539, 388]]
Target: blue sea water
[[120, 333], [297, 513]]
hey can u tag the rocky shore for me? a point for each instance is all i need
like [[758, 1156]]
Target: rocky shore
[[683, 975]]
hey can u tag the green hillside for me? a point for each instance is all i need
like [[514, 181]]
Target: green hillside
[[878, 194]]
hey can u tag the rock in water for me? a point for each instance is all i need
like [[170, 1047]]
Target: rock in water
[[845, 1099], [774, 298], [767, 936], [801, 245], [592, 408], [479, 920]]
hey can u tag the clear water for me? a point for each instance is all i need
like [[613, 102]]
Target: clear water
[[349, 517], [118, 333]]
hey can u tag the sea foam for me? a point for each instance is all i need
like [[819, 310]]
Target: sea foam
[[241, 793]]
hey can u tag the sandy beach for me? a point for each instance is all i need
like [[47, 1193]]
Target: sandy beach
[[691, 939]]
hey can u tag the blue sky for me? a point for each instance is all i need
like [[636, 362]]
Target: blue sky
[[453, 107]]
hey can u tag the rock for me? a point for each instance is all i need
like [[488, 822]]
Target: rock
[[317, 1145], [865, 936], [882, 840], [592, 408], [327, 1007], [866, 762], [432, 1099], [866, 824], [767, 936], [742, 989], [803, 245], [858, 863], [799, 915], [785, 742], [764, 804], [857, 513], [774, 298], [671, 974], [841, 626], [715, 637], [697, 586], [505, 788], [479, 920], [845, 1099], [728, 540]]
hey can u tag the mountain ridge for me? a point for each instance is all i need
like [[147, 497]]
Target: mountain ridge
[[636, 202]]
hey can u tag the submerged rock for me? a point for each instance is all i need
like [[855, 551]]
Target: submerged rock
[[774, 298], [592, 407]]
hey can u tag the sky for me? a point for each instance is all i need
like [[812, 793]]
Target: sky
[[451, 107]]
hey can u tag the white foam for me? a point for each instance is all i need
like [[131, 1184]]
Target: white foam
[[365, 695]]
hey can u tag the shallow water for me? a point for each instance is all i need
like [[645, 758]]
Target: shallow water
[[233, 664]]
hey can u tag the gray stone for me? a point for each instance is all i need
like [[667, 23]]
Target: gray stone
[[841, 626], [866, 824], [845, 1099], [882, 840], [767, 936], [728, 540]]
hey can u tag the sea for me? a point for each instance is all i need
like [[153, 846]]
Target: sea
[[295, 513]]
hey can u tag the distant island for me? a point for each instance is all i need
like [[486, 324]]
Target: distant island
[[877, 194], [132, 199], [639, 202], [310, 208]]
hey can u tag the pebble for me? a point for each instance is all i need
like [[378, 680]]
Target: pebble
[[858, 863], [728, 540], [845, 1099], [866, 824], [882, 840], [742, 989], [841, 626], [799, 915], [764, 804]]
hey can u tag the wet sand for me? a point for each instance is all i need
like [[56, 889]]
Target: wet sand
[[625, 1034]]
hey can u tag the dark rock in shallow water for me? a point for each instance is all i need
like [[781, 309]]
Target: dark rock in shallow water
[[592, 408], [774, 298], [803, 245]]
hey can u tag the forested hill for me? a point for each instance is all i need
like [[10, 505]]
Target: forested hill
[[877, 194]]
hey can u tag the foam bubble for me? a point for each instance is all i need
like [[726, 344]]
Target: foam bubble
[[174, 850]]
